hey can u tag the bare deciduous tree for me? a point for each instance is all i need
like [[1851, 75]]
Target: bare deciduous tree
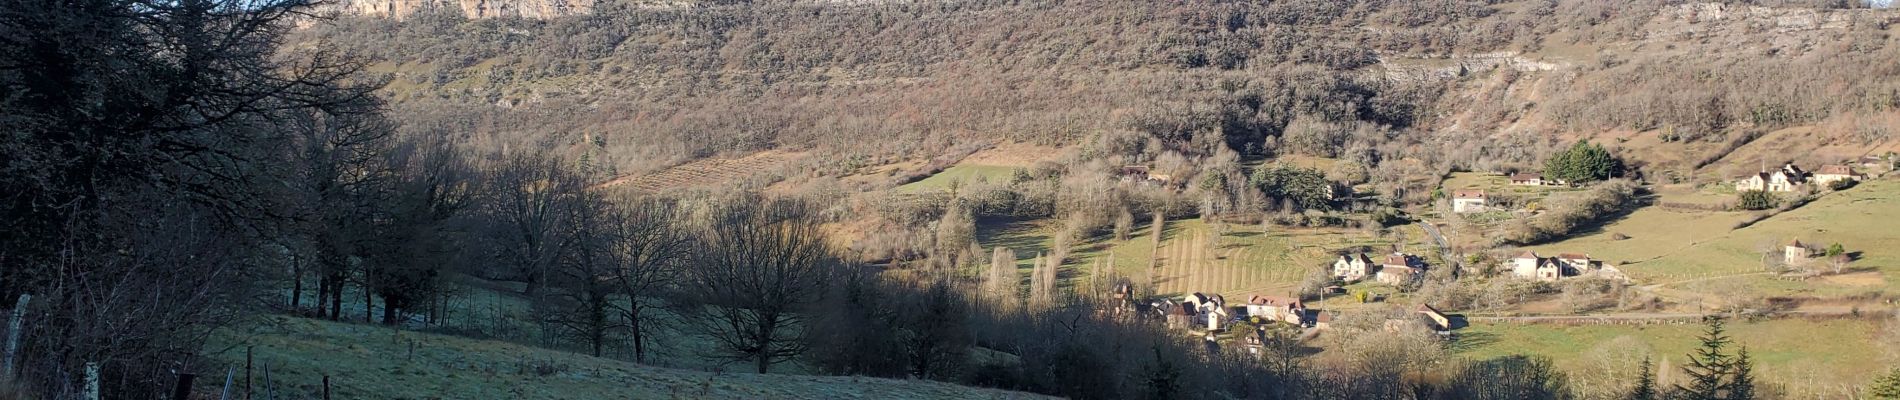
[[756, 265]]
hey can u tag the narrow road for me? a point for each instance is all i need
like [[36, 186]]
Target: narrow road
[[1444, 246]]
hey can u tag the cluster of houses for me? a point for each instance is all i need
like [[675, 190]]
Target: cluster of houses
[[1529, 265], [1209, 312], [1393, 269], [1790, 177]]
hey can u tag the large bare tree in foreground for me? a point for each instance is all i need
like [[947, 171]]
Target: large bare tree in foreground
[[757, 264]]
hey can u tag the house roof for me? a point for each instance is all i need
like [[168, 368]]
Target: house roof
[[1468, 194], [1796, 243], [1835, 170], [1528, 254], [1427, 308], [1397, 260], [1527, 176], [1573, 256], [1274, 301]]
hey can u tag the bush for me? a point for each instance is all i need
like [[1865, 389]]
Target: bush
[[1583, 162], [1756, 200], [1606, 199]]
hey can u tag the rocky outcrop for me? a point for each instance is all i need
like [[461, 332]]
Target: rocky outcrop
[[535, 9]]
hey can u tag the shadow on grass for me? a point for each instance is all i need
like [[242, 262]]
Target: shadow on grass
[[1596, 225], [1469, 341]]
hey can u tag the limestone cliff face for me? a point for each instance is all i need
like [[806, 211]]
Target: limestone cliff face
[[537, 9]]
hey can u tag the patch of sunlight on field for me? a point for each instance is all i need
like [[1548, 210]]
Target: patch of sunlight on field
[[959, 173], [1807, 356], [1671, 245]]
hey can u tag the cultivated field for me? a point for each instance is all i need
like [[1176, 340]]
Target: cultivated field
[[961, 173], [371, 362], [1245, 261]]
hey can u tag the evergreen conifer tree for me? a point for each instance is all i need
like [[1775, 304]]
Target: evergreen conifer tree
[[1708, 367], [1645, 382], [1742, 385]]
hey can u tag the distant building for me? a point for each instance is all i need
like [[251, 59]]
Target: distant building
[[1439, 319], [1785, 179], [1399, 269], [1354, 267], [1797, 253], [1468, 201], [1828, 174], [1529, 265], [1279, 309], [1527, 179], [1143, 173]]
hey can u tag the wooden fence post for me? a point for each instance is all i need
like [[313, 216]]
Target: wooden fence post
[[183, 391], [326, 387], [247, 372], [13, 335]]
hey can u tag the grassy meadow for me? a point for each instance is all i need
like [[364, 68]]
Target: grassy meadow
[[1699, 250], [365, 361], [1809, 358]]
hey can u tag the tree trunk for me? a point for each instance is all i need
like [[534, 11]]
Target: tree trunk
[[369, 303], [389, 313], [639, 341], [336, 301], [296, 286]]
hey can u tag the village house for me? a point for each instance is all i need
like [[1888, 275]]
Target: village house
[[1399, 269], [1353, 268], [1797, 253], [1143, 173], [1279, 309], [1527, 179], [1176, 315], [1467, 201], [1529, 265], [1212, 309], [1785, 179], [1828, 174]]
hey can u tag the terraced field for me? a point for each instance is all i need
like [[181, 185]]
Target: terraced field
[[1194, 258]]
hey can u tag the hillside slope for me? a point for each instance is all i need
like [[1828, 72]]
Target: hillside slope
[[1454, 84], [370, 362]]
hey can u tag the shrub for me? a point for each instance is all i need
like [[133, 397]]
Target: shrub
[[1608, 198], [1756, 200]]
